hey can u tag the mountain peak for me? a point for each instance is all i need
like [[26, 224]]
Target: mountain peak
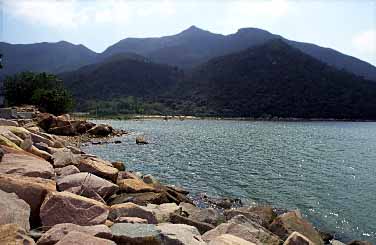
[[193, 30]]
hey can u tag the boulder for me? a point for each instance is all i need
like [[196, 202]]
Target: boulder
[[64, 158], [26, 164], [201, 226], [227, 239], [67, 130], [39, 153], [289, 222], [98, 167], [140, 140], [66, 207], [336, 242], [131, 210], [134, 186], [175, 196], [178, 189], [57, 232], [63, 117], [164, 211], [82, 126], [67, 170], [13, 234], [5, 122], [125, 233], [140, 198], [150, 179], [132, 220], [4, 131], [36, 138], [188, 208], [4, 141], [180, 234], [262, 215], [30, 189], [14, 210], [76, 183], [297, 239], [101, 130], [2, 152], [81, 238], [74, 149], [207, 215], [243, 228], [127, 175], [46, 121], [118, 165]]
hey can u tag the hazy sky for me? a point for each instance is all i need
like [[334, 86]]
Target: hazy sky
[[345, 25]]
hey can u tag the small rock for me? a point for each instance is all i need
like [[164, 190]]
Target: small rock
[[98, 167], [124, 233], [164, 211], [127, 175], [140, 198], [201, 226], [101, 130], [57, 232], [131, 210], [14, 210], [140, 140], [149, 179], [336, 242], [80, 238], [66, 207], [64, 158], [262, 215]]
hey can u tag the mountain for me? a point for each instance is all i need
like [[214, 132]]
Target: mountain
[[195, 46], [121, 75], [44, 57], [276, 79]]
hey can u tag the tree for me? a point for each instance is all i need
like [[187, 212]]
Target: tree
[[41, 89]]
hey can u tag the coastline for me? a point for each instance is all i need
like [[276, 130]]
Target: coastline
[[74, 179]]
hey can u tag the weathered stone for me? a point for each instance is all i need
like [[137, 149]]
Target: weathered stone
[[64, 158], [74, 150], [127, 175], [78, 182], [227, 239], [66, 207], [180, 234], [289, 222], [137, 234], [297, 239], [63, 117], [175, 196], [118, 165], [14, 210], [83, 126], [31, 190], [4, 141], [2, 152], [336, 242], [13, 234], [207, 215], [101, 130], [131, 210], [108, 223], [134, 186], [81, 238], [4, 131], [36, 138], [201, 226], [98, 167], [67, 170], [39, 153], [164, 211], [25, 164], [5, 122], [132, 220], [244, 228], [326, 236], [46, 121], [261, 215], [150, 179], [140, 140], [140, 198], [57, 232], [188, 208], [178, 189], [67, 130]]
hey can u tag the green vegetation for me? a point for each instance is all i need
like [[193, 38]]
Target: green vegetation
[[41, 89]]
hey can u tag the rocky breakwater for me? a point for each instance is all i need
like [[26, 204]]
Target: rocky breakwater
[[53, 193]]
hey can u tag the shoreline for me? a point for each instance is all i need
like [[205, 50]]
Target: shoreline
[[87, 191]]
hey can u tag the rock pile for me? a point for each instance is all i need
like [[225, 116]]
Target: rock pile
[[53, 193]]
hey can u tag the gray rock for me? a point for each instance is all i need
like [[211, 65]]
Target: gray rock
[[173, 234], [57, 232], [67, 170], [164, 211], [227, 239], [64, 158], [131, 210], [150, 179], [207, 215], [201, 226], [336, 242], [143, 198], [124, 233], [14, 210], [80, 238], [297, 239], [77, 183]]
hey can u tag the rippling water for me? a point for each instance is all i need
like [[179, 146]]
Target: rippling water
[[326, 169]]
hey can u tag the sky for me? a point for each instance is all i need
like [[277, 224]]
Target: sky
[[348, 26]]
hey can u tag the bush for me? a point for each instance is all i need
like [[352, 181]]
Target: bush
[[43, 90]]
